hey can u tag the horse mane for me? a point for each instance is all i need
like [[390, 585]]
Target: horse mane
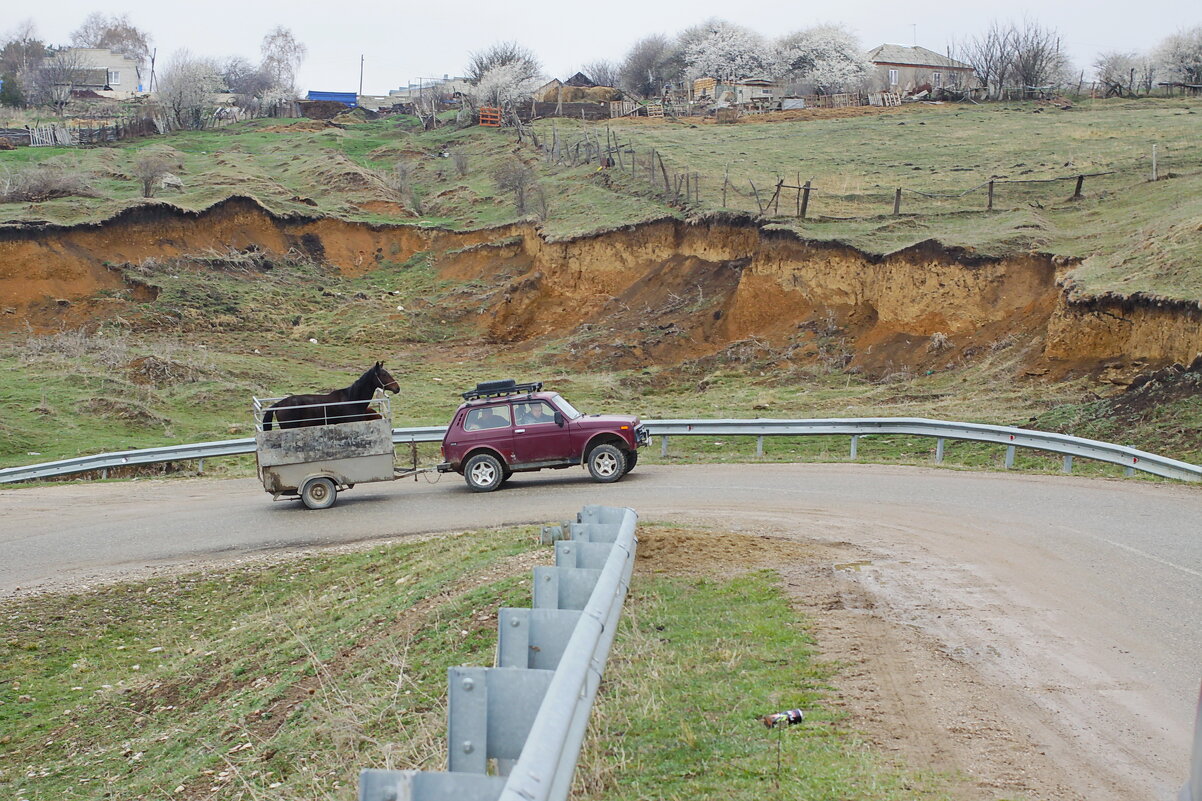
[[359, 388]]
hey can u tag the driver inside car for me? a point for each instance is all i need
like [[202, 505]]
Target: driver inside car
[[532, 414]]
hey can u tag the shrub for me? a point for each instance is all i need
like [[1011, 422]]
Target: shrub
[[40, 182]]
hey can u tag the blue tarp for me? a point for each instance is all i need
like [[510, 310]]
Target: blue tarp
[[349, 99]]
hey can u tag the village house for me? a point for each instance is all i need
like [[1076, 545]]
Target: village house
[[906, 70], [110, 74]]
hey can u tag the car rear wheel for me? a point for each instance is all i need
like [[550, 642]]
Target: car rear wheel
[[483, 473], [319, 493], [606, 463]]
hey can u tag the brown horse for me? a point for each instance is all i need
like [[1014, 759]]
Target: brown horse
[[340, 406]]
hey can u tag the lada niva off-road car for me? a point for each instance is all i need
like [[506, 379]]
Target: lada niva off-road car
[[504, 428]]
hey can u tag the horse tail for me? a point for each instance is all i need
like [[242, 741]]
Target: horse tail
[[267, 415]]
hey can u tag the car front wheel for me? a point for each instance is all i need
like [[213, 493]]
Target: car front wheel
[[483, 473], [606, 463]]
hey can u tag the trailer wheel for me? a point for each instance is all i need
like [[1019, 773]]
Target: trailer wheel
[[484, 473], [319, 493]]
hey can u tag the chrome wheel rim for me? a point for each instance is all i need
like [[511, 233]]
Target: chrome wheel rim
[[483, 474], [605, 464]]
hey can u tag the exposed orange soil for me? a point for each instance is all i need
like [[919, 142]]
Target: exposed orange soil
[[661, 292]]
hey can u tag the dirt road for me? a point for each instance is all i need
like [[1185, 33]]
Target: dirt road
[[1040, 635]]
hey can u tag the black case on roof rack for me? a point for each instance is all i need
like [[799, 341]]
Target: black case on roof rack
[[495, 389]]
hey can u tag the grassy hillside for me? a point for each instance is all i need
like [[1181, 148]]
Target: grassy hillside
[[1134, 235], [225, 327]]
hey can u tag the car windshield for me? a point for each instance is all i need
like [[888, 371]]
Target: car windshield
[[569, 411]]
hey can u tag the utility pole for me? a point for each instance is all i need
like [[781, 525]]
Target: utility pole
[[360, 75]]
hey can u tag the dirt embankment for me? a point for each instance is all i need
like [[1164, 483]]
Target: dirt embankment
[[659, 292]]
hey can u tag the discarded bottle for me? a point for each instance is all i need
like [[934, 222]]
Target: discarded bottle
[[789, 717]]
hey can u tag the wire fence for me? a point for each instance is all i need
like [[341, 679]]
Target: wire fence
[[625, 166]]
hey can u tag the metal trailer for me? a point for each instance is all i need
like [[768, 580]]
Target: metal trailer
[[315, 463]]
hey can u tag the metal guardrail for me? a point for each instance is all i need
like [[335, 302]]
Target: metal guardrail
[[1069, 447], [530, 712]]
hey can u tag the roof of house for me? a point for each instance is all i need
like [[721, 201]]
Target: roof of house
[[913, 56], [581, 80]]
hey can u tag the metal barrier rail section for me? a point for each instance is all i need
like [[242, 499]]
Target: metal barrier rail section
[[1069, 447], [526, 717]]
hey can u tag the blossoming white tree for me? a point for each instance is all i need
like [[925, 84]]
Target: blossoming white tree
[[728, 53], [503, 86], [827, 56]]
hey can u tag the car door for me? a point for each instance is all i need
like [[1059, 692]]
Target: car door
[[536, 435]]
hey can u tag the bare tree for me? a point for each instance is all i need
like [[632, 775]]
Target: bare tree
[[1039, 57], [602, 72], [246, 82], [648, 66], [991, 55], [21, 49], [514, 176], [501, 54], [187, 89], [51, 81], [115, 33], [151, 166], [282, 57]]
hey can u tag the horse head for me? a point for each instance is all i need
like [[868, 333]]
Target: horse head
[[385, 379]]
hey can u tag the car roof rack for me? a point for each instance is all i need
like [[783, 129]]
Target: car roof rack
[[495, 389]]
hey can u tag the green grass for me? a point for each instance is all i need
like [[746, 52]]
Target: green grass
[[282, 679], [696, 662], [277, 681]]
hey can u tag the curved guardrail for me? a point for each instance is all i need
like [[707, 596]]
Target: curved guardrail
[[1069, 447], [530, 712]]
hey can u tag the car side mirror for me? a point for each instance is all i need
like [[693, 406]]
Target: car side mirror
[[559, 421]]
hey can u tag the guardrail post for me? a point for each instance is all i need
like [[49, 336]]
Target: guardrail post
[[1067, 467], [200, 466], [759, 447], [1009, 456], [663, 445], [855, 445], [939, 450], [1128, 471]]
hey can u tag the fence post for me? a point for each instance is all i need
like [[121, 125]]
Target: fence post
[[1154, 162], [805, 199], [1077, 191], [989, 205], [897, 202]]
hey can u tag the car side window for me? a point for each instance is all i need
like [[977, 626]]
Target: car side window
[[532, 413], [486, 418]]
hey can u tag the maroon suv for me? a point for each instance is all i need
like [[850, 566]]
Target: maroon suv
[[504, 428]]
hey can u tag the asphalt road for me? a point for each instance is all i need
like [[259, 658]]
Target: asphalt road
[[1084, 594]]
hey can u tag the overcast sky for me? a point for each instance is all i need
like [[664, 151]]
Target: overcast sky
[[402, 42]]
